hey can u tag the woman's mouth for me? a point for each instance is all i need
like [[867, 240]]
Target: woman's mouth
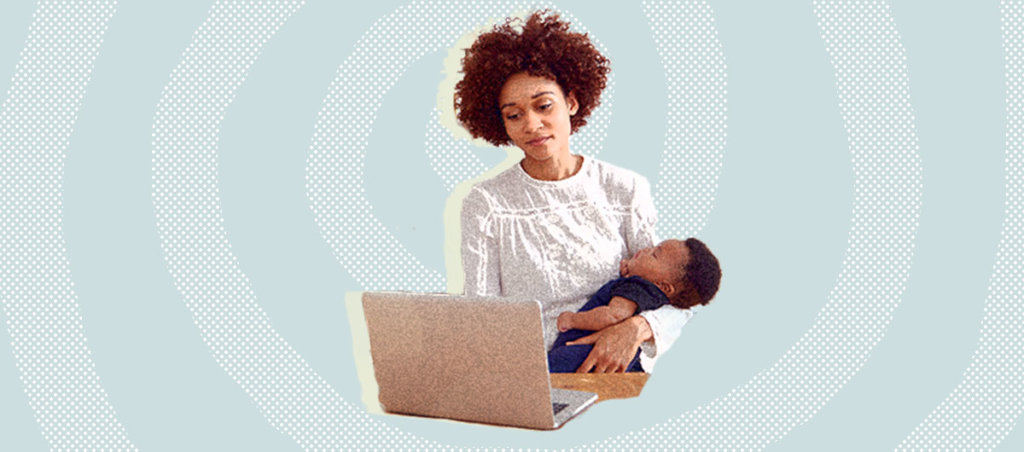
[[537, 141]]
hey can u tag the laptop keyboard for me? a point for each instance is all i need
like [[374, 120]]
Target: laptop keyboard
[[558, 407]]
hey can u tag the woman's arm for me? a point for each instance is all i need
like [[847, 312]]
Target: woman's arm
[[615, 346], [652, 331], [480, 263], [666, 324], [640, 230]]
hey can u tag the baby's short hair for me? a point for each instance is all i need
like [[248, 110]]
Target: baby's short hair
[[698, 278]]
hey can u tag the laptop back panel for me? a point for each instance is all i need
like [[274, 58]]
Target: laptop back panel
[[470, 358]]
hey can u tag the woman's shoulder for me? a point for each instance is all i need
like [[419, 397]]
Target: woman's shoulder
[[487, 194], [505, 181], [615, 177]]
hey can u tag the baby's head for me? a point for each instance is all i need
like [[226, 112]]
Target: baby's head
[[684, 269]]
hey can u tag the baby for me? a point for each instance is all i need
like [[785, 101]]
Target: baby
[[681, 273]]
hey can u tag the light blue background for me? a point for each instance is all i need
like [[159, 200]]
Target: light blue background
[[779, 225]]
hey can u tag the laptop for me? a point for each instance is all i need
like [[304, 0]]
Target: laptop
[[477, 359]]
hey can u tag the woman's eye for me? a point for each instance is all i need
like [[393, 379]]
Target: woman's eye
[[544, 107], [511, 117]]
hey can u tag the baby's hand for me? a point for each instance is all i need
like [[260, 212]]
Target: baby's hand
[[564, 321]]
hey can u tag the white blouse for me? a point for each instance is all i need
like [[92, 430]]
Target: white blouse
[[559, 241]]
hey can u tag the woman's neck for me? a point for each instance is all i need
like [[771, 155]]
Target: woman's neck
[[552, 169]]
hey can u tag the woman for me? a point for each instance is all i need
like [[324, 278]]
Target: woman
[[556, 226]]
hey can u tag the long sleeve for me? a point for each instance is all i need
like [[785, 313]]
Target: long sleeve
[[667, 321], [480, 259], [666, 325], [640, 231]]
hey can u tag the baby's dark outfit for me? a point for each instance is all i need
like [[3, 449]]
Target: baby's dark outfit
[[568, 358]]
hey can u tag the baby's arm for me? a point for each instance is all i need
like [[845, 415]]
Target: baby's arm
[[599, 318]]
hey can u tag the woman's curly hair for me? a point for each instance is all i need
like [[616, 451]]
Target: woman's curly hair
[[544, 47]]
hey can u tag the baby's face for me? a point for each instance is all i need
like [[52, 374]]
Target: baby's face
[[659, 263]]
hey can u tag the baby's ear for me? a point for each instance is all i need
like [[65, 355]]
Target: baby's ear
[[668, 288]]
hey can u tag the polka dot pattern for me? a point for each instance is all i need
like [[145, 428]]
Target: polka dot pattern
[[984, 407], [36, 121], [873, 86], [335, 167], [290, 394], [687, 43], [452, 160]]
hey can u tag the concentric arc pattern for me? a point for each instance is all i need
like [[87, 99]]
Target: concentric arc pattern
[[291, 395], [43, 317], [986, 405], [872, 82]]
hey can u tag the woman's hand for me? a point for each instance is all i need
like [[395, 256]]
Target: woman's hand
[[615, 346]]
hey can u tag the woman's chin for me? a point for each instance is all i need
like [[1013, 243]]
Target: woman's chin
[[537, 156]]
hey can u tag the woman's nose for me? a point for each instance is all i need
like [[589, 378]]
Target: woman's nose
[[532, 122]]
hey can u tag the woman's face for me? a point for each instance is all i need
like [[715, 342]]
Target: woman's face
[[536, 115]]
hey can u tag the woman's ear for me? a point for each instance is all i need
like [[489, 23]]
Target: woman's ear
[[571, 102]]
